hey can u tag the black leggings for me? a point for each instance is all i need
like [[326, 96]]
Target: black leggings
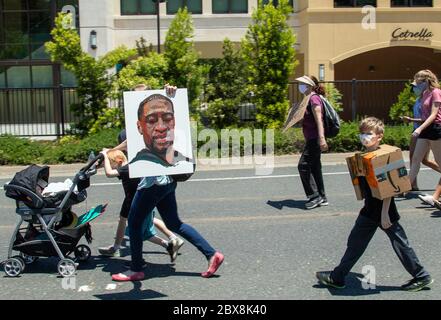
[[310, 169]]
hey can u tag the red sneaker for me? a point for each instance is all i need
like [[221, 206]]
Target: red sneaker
[[128, 276], [215, 262]]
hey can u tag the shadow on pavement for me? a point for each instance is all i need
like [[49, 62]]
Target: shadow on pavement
[[135, 294], [297, 204], [354, 287]]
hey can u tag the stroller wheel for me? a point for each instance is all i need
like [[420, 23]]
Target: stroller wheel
[[82, 253], [13, 267], [66, 267], [28, 259]]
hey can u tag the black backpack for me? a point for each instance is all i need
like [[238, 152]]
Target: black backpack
[[331, 120]]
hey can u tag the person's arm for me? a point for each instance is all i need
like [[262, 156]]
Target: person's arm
[[110, 173], [122, 146], [409, 119], [317, 111], [435, 108], [385, 219]]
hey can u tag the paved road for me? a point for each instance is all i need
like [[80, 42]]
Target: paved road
[[272, 246]]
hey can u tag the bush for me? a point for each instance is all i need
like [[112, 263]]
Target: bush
[[77, 150], [70, 149], [19, 151], [404, 105]]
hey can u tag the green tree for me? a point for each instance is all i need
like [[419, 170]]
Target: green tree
[[404, 105], [180, 53], [268, 49], [334, 96], [91, 74], [149, 70], [226, 90]]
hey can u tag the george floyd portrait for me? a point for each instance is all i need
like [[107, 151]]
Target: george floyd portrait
[[158, 133]]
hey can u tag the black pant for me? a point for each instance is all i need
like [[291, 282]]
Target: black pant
[[310, 169], [359, 239]]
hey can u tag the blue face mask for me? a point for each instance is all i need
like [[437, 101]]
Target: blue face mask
[[417, 91], [422, 86]]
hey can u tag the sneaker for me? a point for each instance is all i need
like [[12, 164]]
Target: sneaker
[[324, 277], [173, 248], [128, 276], [324, 202], [427, 199], [313, 203], [214, 264], [109, 252], [416, 284], [437, 204], [128, 264]]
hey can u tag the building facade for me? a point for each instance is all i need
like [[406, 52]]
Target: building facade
[[336, 40]]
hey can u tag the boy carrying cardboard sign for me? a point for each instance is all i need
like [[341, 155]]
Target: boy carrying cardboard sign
[[379, 209]]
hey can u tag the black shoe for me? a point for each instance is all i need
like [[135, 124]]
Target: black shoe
[[128, 264], [417, 284], [313, 203], [324, 202], [324, 277], [173, 248]]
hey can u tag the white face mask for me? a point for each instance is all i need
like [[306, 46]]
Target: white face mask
[[303, 88], [366, 139]]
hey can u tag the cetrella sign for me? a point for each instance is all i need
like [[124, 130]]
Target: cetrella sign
[[405, 34]]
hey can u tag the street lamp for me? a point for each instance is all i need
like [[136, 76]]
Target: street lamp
[[157, 23]]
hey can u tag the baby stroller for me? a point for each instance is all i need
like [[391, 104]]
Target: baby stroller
[[52, 229]]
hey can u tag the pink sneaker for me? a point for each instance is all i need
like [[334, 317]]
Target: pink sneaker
[[215, 262], [128, 276]]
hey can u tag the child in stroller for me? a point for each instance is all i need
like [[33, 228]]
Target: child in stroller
[[52, 229]]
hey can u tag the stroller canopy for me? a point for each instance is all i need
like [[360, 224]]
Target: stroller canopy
[[28, 178]]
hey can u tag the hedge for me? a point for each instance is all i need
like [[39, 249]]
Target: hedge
[[21, 151]]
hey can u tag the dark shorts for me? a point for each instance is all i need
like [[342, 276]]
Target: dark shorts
[[125, 207], [432, 132]]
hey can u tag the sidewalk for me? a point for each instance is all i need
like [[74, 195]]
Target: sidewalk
[[7, 172]]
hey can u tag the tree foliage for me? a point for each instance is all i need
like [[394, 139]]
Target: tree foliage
[[268, 49], [181, 56], [93, 85], [227, 88], [404, 105]]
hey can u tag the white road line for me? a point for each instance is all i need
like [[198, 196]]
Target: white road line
[[239, 178]]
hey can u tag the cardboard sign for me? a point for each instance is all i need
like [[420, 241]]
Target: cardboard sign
[[384, 170], [296, 113]]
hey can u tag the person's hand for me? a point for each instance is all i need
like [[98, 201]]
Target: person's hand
[[416, 133], [104, 151], [385, 223], [170, 90], [323, 145], [406, 118]]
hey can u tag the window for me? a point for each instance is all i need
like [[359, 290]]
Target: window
[[230, 6], [137, 7], [354, 3], [25, 26], [193, 6], [276, 2], [411, 3]]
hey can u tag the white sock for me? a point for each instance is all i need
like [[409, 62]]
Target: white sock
[[173, 236], [164, 243], [116, 246]]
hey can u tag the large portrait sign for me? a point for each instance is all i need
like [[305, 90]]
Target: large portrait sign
[[158, 133]]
